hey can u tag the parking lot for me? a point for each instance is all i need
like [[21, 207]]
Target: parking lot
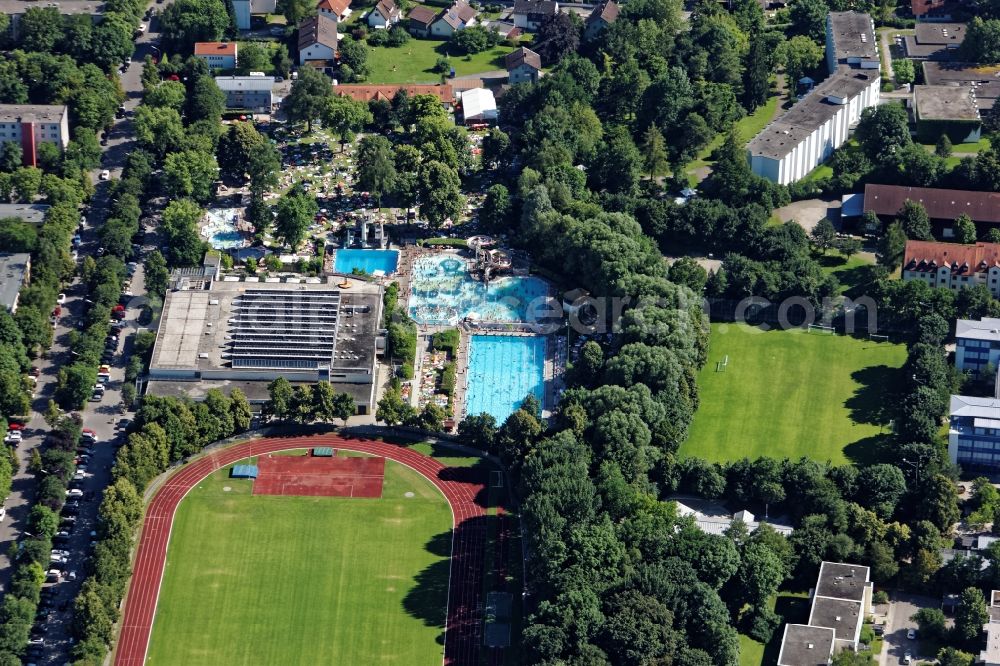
[[896, 644]]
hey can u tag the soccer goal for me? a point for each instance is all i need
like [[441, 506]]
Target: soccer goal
[[822, 330], [878, 338], [720, 366]]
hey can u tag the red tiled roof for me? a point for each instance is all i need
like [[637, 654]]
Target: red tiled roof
[[365, 93], [921, 7], [926, 256], [337, 7], [215, 48], [888, 200]]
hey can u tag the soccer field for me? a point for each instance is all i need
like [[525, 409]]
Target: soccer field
[[792, 393], [305, 580]]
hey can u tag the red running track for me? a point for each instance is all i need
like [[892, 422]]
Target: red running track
[[463, 636]]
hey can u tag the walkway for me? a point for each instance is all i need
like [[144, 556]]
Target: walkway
[[463, 636]]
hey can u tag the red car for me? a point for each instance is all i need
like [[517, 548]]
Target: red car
[[15, 426]]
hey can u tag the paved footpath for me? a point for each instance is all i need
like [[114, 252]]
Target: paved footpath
[[463, 630]]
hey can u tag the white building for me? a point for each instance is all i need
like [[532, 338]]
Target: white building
[[384, 15], [318, 39], [218, 55], [250, 93], [977, 344], [991, 655], [243, 9], [953, 266], [479, 106], [974, 432], [808, 133], [32, 124]]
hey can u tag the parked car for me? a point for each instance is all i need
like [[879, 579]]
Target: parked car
[[105, 175], [96, 397], [13, 437], [75, 492], [911, 634]]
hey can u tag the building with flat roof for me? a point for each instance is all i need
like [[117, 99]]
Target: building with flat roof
[[15, 9], [244, 333], [953, 266], [32, 124], [802, 645], [990, 655], [946, 110], [841, 599], [974, 432], [934, 41], [252, 93], [15, 272], [31, 213], [984, 79], [977, 345], [799, 140]]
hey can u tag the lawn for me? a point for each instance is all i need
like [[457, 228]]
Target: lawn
[[304, 580], [414, 61], [793, 393], [792, 607], [746, 128], [853, 273]]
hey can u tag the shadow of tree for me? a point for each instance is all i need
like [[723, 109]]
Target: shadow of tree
[[793, 610], [428, 600], [870, 450], [440, 544], [878, 385]]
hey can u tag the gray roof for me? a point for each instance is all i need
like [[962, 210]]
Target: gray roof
[[781, 136], [37, 113], [319, 29], [853, 36], [34, 213], [13, 271], [985, 79], [536, 7], [74, 7], [946, 103], [843, 616], [842, 581], [987, 328], [230, 83], [803, 645], [967, 406]]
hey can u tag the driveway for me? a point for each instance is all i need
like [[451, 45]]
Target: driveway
[[809, 212], [895, 643]]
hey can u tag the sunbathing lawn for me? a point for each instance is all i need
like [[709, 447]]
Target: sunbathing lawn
[[414, 61], [792, 393]]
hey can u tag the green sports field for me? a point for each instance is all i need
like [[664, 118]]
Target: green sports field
[[305, 580], [792, 393]]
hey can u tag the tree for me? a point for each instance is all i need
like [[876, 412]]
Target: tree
[[240, 409], [965, 229], [43, 521], [442, 193], [353, 60], [479, 430], [932, 623], [809, 18], [40, 29], [915, 222], [190, 173], [392, 409], [11, 156], [375, 166], [654, 152], [308, 97], [495, 147], [557, 37], [158, 129], [949, 656], [180, 225], [618, 163], [883, 131], [943, 147], [345, 116], [689, 273], [156, 273], [982, 41], [823, 234], [296, 211], [891, 246], [253, 57], [799, 55], [903, 70], [280, 395], [496, 210], [76, 382], [971, 614], [296, 10], [239, 147], [344, 406], [188, 21], [206, 101], [168, 94]]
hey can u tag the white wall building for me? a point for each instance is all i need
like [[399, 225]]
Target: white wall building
[[242, 9], [953, 266], [808, 133], [32, 124]]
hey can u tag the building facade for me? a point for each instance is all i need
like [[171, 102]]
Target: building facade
[[318, 39], [15, 272], [528, 15], [457, 17], [244, 9], [384, 15], [250, 93], [32, 124], [523, 66], [953, 266], [974, 432], [977, 345]]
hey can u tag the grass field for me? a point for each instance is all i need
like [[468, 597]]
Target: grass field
[[746, 128], [305, 580], [414, 61], [792, 607], [792, 393], [853, 273]]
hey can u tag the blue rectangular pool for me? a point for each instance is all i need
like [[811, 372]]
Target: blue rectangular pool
[[503, 370], [369, 261]]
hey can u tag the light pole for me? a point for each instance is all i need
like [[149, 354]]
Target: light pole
[[915, 466]]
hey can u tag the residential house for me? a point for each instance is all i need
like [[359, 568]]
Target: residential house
[[943, 206], [953, 266], [934, 41], [244, 9], [603, 15], [419, 21], [318, 41], [457, 17], [931, 10], [977, 345], [840, 601], [218, 55], [505, 29], [367, 93], [974, 432], [338, 10], [251, 93], [803, 137], [479, 106], [31, 124], [15, 272], [529, 15], [523, 66], [384, 15]]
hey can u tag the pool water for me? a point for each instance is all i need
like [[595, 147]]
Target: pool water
[[368, 261], [503, 370], [226, 240], [442, 292]]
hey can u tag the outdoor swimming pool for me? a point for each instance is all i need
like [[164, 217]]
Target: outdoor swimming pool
[[443, 293], [503, 370], [367, 260], [221, 230]]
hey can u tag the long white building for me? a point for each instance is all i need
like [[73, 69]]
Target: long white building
[[807, 134]]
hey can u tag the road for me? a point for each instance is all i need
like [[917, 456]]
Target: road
[[100, 417]]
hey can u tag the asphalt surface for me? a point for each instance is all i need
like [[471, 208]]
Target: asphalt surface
[[101, 417], [895, 643]]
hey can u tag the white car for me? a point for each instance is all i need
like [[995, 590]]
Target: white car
[[61, 298], [3, 513], [142, 27], [105, 175], [74, 492], [13, 437]]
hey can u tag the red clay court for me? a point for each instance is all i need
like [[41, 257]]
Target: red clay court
[[355, 476]]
